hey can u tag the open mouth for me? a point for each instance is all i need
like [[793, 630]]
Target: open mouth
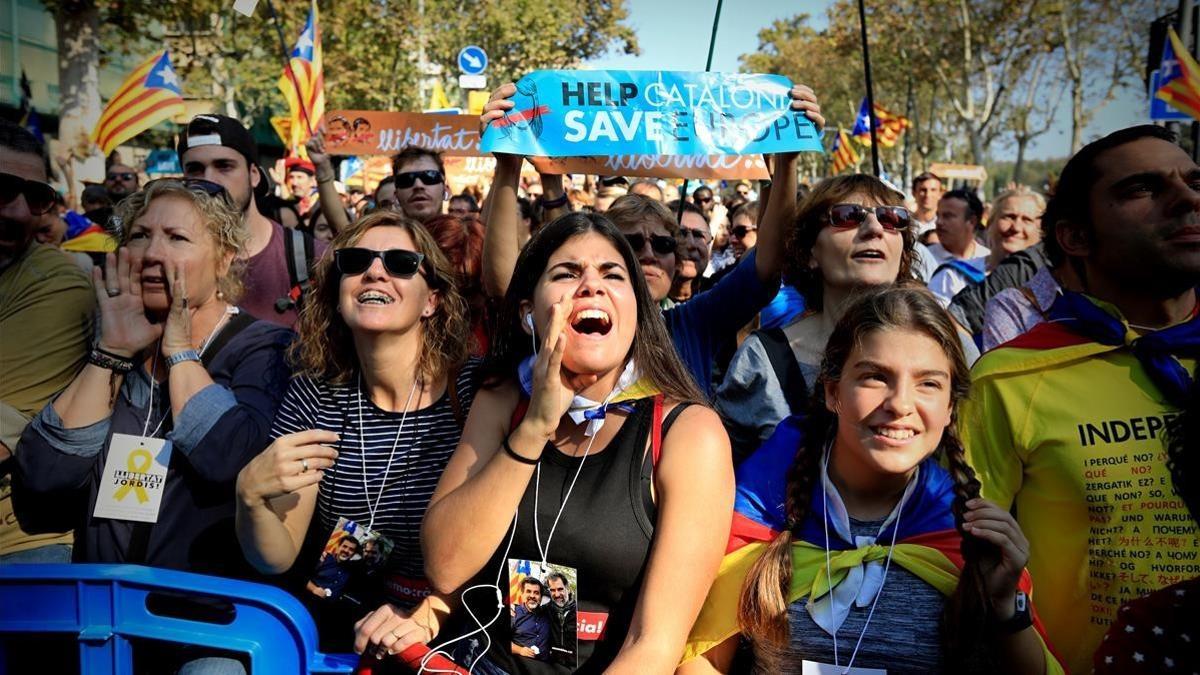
[[894, 433], [372, 297], [869, 254], [591, 322]]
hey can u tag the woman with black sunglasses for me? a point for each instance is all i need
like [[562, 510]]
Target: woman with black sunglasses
[[851, 233], [366, 428]]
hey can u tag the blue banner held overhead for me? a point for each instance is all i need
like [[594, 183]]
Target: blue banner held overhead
[[574, 113]]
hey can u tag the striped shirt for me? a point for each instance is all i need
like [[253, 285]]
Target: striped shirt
[[423, 448]]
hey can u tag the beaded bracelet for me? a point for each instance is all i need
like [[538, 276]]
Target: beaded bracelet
[[110, 361], [513, 453]]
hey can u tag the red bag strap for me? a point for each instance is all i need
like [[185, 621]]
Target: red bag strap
[[656, 431]]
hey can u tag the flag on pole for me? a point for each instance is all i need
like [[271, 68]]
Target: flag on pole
[[148, 96], [29, 117], [843, 153], [303, 83], [1179, 77], [889, 129]]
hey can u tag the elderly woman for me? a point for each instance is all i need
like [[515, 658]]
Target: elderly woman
[[140, 452], [383, 388], [851, 233]]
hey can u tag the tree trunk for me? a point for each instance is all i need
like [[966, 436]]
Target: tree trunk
[[1019, 166], [1077, 119], [977, 151], [78, 29]]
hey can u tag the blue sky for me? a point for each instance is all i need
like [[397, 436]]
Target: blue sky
[[674, 36]]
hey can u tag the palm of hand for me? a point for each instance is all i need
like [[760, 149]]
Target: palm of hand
[[123, 323]]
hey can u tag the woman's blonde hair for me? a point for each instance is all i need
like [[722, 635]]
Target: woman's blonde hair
[[223, 220], [325, 348]]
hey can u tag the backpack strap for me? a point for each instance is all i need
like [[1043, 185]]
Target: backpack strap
[[240, 322], [662, 426], [787, 370], [298, 253]]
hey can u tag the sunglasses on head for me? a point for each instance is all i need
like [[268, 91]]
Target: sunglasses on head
[[850, 216], [742, 230], [661, 244], [409, 178], [398, 262], [39, 196], [197, 185]]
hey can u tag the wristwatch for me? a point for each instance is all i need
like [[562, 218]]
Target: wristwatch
[[180, 357], [1021, 619]]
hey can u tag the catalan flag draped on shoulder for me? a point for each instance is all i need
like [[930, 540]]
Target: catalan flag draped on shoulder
[[888, 129], [1179, 83], [843, 153], [303, 82], [927, 543], [148, 96]]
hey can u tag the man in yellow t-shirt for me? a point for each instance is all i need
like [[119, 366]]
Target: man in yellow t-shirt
[[1068, 424], [46, 305]]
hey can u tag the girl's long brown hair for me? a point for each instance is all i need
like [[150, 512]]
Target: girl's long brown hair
[[325, 348], [763, 609]]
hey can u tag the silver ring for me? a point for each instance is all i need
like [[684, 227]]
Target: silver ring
[[112, 292], [304, 463]]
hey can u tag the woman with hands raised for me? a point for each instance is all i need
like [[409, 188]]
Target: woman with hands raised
[[587, 458], [141, 450], [383, 386]]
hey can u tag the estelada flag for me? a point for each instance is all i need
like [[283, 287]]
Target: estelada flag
[[843, 153], [1179, 77], [889, 128], [148, 96], [303, 83], [927, 542]]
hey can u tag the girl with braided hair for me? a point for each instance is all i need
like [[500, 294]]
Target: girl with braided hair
[[859, 538]]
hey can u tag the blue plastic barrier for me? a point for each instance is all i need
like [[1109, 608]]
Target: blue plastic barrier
[[106, 605]]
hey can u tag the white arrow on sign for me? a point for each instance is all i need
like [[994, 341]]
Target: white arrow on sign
[[471, 60]]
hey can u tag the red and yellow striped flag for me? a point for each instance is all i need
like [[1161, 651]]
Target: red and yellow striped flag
[[148, 96], [843, 152], [1180, 78], [888, 129], [303, 83]]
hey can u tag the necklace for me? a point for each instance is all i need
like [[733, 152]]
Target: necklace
[[362, 445]]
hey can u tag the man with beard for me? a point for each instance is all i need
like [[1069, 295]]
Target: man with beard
[[420, 178], [334, 570], [530, 625], [219, 149], [120, 181], [562, 620], [1070, 424], [46, 305]]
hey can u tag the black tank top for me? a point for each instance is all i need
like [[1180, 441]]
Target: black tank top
[[604, 533]]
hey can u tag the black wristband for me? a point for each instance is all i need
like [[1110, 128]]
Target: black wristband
[[109, 361], [513, 453], [558, 201], [1021, 619]]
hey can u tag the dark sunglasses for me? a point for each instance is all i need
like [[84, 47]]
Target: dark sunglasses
[[125, 175], [398, 262], [741, 231], [39, 196], [851, 216], [409, 178], [661, 244], [693, 233]]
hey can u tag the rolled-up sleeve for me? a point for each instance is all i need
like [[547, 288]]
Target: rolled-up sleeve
[[52, 457], [199, 415]]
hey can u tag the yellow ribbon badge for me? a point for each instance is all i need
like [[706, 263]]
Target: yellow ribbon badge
[[139, 461]]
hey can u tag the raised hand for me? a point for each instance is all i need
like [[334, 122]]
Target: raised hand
[[551, 397], [804, 98], [1002, 569], [124, 328], [177, 330], [316, 149], [290, 463]]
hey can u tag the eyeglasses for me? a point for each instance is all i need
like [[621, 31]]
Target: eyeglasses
[[661, 244], [703, 200], [124, 175], [39, 196], [851, 216], [694, 233], [409, 178], [742, 230], [398, 262]]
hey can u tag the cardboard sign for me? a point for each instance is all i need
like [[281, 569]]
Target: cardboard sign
[[571, 113]]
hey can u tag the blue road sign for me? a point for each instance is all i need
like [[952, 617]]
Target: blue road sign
[[472, 60], [1160, 111]]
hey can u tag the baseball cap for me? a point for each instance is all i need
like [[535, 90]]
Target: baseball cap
[[297, 164], [218, 130]]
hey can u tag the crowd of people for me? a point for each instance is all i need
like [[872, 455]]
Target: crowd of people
[[788, 428]]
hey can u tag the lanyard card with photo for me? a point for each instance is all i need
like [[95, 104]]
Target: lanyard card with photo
[[818, 668], [542, 610], [135, 473], [351, 561]]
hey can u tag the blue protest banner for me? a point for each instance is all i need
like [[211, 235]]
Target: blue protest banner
[[574, 113]]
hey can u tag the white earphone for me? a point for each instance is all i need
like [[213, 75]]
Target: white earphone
[[529, 320]]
